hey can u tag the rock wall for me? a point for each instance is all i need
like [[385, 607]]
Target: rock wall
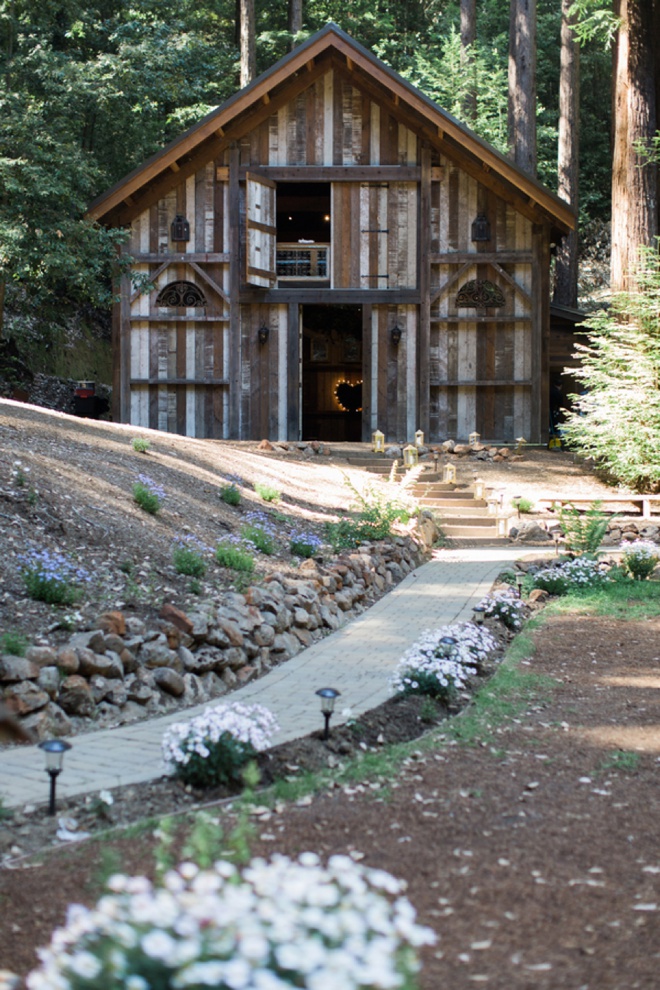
[[125, 669]]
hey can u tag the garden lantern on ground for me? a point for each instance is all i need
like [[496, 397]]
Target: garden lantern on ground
[[447, 645], [328, 697], [54, 750], [479, 613], [410, 456], [378, 442], [519, 585], [474, 438], [419, 438], [449, 474], [517, 499], [479, 488]]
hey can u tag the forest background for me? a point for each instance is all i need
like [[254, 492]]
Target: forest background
[[88, 91]]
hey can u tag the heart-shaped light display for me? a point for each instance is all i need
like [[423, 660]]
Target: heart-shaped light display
[[349, 395]]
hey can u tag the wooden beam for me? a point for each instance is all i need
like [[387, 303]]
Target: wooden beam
[[437, 173], [331, 296], [424, 282], [174, 166], [201, 258], [234, 289], [180, 381], [153, 277], [441, 290], [502, 257], [481, 383], [222, 173], [481, 319], [293, 373], [169, 318], [209, 281], [334, 173]]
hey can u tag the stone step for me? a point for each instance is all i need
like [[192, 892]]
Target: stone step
[[484, 522], [454, 504], [439, 488], [444, 511], [489, 534], [477, 541]]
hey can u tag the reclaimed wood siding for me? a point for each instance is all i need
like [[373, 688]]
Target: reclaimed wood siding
[[495, 355], [173, 343]]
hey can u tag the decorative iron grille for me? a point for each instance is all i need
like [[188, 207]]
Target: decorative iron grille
[[480, 293], [180, 294]]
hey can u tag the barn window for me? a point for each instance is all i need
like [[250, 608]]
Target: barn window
[[480, 293], [180, 294]]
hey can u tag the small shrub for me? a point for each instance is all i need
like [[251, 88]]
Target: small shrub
[[267, 492], [583, 532], [14, 643], [147, 494], [572, 575], [640, 558], [233, 553], [140, 445], [188, 562], [259, 531], [19, 474], [213, 747], [505, 606], [51, 577], [303, 543], [523, 505], [277, 923], [230, 494], [433, 668]]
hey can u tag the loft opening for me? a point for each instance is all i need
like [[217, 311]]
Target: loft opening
[[303, 232]]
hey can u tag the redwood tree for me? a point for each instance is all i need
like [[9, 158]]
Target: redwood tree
[[468, 38], [522, 84], [568, 155], [248, 42]]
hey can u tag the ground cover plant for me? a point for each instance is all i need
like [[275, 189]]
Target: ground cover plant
[[148, 494], [51, 577], [640, 558]]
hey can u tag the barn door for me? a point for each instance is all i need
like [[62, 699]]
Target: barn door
[[260, 230]]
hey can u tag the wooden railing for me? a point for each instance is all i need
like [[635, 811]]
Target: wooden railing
[[303, 261]]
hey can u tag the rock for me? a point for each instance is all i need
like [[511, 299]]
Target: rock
[[235, 657], [93, 640], [116, 693], [531, 532], [114, 643], [265, 445], [128, 661], [112, 622], [194, 690], [304, 636], [158, 654], [538, 595], [18, 669], [301, 617], [177, 618], [49, 680], [229, 678], [200, 625], [231, 630], [246, 674], [67, 661], [138, 691], [135, 626], [169, 681], [393, 451], [344, 600], [48, 722], [286, 643], [24, 697], [212, 685], [264, 635], [462, 449], [330, 619], [173, 636], [99, 686], [106, 664], [217, 637], [41, 656], [309, 567], [75, 696]]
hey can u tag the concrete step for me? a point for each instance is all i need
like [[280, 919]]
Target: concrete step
[[454, 506], [421, 489], [478, 541], [489, 534], [484, 522]]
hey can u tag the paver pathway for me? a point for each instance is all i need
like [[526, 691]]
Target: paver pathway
[[356, 660]]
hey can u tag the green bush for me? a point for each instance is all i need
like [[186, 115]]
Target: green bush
[[373, 519], [267, 492], [260, 537], [640, 559], [230, 554], [51, 577], [14, 643], [616, 418], [583, 531], [140, 445], [147, 494], [230, 494], [188, 562], [523, 505]]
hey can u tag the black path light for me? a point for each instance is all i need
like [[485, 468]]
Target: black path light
[[54, 750], [479, 614], [328, 697], [519, 584], [447, 645]]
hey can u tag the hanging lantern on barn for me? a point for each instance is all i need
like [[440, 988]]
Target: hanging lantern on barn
[[480, 228], [180, 228]]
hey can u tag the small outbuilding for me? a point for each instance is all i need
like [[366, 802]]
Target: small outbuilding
[[331, 253]]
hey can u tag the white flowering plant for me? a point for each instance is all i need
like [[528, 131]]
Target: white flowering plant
[[640, 558], [506, 606], [212, 748], [274, 925], [572, 575], [442, 661]]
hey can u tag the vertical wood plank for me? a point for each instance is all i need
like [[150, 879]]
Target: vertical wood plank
[[234, 336], [424, 281], [290, 370], [368, 412]]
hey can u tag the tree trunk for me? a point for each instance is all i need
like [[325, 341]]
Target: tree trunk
[[522, 84], [468, 38], [634, 179], [248, 43], [295, 19], [2, 308], [568, 156]]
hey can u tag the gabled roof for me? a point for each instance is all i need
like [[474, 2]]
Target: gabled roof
[[328, 48]]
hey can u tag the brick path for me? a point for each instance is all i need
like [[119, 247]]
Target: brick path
[[355, 660]]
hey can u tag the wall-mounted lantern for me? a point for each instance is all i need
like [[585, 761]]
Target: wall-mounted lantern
[[396, 333], [378, 442], [262, 334], [480, 228], [410, 456], [180, 228], [449, 474], [419, 438]]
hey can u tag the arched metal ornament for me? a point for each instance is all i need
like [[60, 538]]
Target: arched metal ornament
[[480, 293], [181, 294]]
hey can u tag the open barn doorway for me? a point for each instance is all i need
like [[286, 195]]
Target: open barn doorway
[[332, 373]]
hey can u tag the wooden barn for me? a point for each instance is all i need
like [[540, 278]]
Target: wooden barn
[[331, 253]]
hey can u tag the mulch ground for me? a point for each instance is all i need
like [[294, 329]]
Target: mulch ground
[[532, 852]]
